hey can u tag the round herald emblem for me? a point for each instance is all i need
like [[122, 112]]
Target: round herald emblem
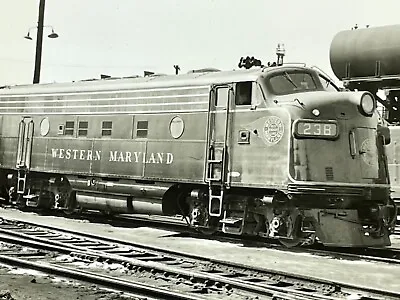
[[273, 130], [368, 152]]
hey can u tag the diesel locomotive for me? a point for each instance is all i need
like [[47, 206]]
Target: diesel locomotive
[[278, 152], [369, 59]]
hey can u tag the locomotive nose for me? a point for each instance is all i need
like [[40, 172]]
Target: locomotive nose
[[343, 105]]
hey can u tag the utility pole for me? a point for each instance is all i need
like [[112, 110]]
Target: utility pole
[[39, 42]]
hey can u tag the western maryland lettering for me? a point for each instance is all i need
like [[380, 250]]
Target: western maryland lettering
[[75, 154], [114, 156], [149, 158]]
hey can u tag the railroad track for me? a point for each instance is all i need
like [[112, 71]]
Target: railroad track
[[35, 259], [387, 255], [184, 274]]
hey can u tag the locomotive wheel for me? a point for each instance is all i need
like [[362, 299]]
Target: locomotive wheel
[[289, 243], [69, 211], [71, 205], [211, 229], [207, 230], [307, 239], [298, 237]]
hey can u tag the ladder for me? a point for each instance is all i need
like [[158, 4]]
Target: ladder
[[215, 178], [217, 146], [21, 183]]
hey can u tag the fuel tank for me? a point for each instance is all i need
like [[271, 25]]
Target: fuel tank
[[366, 52], [119, 204]]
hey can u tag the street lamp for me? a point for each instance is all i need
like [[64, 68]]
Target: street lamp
[[39, 40], [52, 35]]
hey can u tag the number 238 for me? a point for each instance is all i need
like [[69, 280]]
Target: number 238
[[317, 129]]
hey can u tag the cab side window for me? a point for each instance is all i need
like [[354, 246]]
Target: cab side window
[[243, 93]]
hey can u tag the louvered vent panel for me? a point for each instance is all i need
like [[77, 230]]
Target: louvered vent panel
[[329, 173]]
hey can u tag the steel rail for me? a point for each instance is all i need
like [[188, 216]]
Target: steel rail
[[139, 289], [384, 255]]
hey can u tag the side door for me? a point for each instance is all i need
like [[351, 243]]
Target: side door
[[24, 151]]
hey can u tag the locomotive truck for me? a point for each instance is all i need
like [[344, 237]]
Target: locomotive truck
[[277, 152], [369, 59]]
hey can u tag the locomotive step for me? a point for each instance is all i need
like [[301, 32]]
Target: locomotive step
[[231, 220], [215, 161]]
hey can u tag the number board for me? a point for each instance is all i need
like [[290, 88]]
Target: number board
[[316, 129]]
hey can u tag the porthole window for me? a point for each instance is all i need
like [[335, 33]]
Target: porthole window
[[176, 127], [44, 127]]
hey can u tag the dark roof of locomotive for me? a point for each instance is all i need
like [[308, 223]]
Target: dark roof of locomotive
[[190, 79]]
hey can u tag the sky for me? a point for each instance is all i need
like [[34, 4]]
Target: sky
[[127, 37]]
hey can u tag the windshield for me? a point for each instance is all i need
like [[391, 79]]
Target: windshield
[[292, 82]]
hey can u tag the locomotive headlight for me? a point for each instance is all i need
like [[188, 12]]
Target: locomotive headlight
[[367, 104]]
